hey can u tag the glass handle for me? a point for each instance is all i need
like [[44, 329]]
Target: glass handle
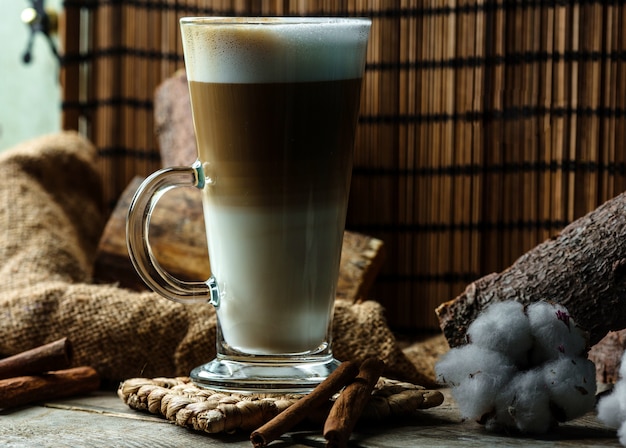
[[137, 230]]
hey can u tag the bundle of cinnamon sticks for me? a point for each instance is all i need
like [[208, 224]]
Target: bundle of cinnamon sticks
[[43, 373], [359, 382]]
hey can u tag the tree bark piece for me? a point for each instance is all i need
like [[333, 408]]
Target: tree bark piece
[[582, 268], [178, 240], [177, 236], [173, 123], [361, 260], [607, 356]]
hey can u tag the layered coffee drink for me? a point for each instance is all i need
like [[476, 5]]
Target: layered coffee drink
[[274, 110], [275, 104]]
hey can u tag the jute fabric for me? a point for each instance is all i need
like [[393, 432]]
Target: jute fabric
[[51, 219]]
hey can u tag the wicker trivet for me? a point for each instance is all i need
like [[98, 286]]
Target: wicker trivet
[[185, 404]]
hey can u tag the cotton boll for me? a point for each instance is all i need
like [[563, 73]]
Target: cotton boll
[[450, 369], [525, 404], [461, 363], [476, 395], [555, 333], [621, 434], [475, 374], [610, 412], [612, 407], [522, 369], [572, 386], [503, 327]]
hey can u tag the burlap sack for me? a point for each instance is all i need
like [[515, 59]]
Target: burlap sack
[[50, 223]]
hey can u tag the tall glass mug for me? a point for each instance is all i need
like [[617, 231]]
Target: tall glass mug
[[275, 104]]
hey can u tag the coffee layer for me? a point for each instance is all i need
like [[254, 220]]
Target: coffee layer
[[272, 145]]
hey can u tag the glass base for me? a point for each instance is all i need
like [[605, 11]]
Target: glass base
[[263, 377]]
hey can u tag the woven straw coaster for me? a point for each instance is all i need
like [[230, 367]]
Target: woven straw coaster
[[182, 402]]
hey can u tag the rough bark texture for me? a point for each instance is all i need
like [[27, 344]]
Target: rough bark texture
[[177, 237], [172, 120], [583, 268], [607, 356]]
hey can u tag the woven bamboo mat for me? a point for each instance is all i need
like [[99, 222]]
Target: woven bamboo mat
[[182, 402], [485, 126]]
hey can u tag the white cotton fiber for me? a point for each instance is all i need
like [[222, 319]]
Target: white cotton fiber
[[524, 403], [461, 363], [476, 374], [621, 434], [572, 386], [503, 327], [610, 408], [555, 333]]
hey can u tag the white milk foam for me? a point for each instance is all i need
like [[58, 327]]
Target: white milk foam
[[264, 50], [278, 288]]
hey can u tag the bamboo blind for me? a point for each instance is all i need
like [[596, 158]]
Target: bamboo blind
[[485, 126]]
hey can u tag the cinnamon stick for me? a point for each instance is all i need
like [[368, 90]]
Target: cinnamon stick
[[347, 409], [56, 355], [23, 390], [298, 411]]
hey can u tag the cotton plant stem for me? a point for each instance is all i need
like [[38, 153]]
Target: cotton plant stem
[[297, 412], [347, 409], [56, 355]]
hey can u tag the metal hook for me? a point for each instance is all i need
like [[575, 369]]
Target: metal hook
[[39, 20]]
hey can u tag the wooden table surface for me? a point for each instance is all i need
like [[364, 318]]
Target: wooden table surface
[[103, 420]]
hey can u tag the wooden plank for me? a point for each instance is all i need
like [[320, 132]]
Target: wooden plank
[[102, 420], [99, 421]]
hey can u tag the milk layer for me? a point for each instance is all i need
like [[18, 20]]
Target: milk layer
[[277, 272]]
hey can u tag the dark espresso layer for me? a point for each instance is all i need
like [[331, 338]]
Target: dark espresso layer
[[276, 144]]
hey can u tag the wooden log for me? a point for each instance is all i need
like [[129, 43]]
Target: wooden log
[[173, 123], [583, 268], [177, 237], [178, 240]]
